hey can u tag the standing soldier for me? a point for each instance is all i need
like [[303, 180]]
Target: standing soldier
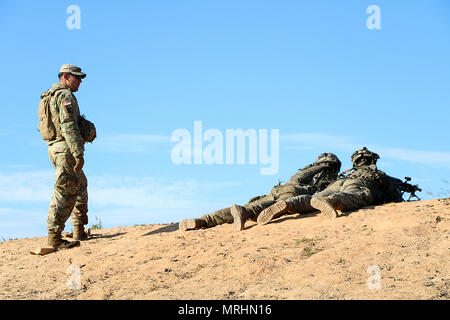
[[66, 132]]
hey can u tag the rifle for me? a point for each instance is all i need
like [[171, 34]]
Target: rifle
[[404, 186]]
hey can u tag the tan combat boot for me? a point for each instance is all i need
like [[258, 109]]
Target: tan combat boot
[[191, 224], [326, 206], [240, 215], [54, 240], [272, 212], [79, 234]]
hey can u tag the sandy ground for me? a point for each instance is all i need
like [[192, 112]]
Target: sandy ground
[[394, 251]]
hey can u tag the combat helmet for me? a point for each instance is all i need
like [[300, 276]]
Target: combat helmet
[[364, 157], [87, 130], [330, 158]]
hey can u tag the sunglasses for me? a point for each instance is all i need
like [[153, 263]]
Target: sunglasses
[[76, 76]]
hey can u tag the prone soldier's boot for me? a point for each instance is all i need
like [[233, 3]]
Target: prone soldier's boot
[[79, 233], [54, 240], [191, 224], [299, 204], [328, 206], [240, 215], [272, 212]]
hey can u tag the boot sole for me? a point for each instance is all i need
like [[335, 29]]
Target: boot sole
[[324, 207], [272, 212], [236, 212]]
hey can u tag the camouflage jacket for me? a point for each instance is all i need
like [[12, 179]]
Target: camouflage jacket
[[64, 105], [315, 177], [379, 183], [309, 180]]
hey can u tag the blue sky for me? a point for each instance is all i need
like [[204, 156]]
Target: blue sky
[[311, 69]]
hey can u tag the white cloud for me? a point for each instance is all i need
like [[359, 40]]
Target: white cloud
[[111, 190], [309, 141], [425, 157], [26, 186], [117, 198], [131, 142], [21, 223], [297, 141], [318, 140], [150, 200], [145, 192]]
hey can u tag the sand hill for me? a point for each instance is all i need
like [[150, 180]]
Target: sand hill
[[394, 251]]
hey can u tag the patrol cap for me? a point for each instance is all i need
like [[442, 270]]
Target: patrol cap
[[70, 68]]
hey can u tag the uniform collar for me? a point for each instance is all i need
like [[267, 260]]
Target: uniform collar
[[60, 86]]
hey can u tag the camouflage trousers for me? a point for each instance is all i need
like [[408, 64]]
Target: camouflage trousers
[[256, 205], [70, 197], [344, 195], [348, 194]]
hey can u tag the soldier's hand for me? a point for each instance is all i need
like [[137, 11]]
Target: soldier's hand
[[79, 163]]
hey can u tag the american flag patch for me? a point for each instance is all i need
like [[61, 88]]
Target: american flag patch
[[66, 103]]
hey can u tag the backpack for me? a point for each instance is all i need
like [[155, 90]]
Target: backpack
[[46, 126]]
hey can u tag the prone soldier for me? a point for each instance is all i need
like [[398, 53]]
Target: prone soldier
[[309, 180], [365, 186]]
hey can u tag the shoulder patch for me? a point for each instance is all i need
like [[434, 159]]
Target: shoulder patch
[[66, 102]]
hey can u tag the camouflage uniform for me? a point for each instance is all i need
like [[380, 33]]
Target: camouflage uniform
[[70, 197], [365, 186], [309, 180]]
